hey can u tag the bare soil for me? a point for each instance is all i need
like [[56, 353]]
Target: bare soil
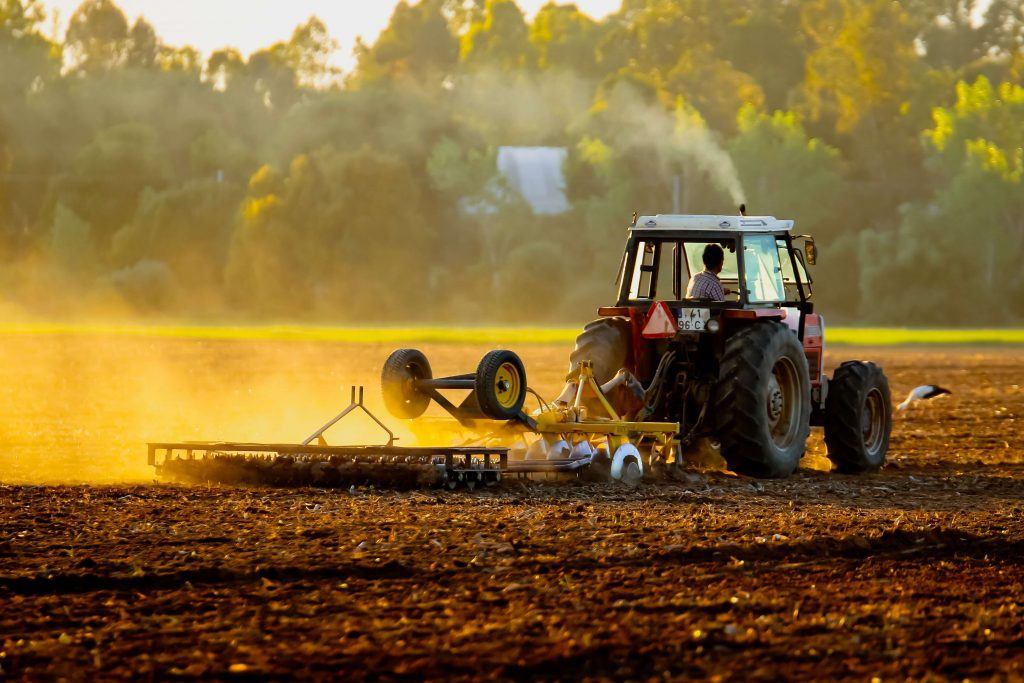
[[914, 572]]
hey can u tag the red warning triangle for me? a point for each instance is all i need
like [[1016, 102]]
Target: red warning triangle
[[660, 322]]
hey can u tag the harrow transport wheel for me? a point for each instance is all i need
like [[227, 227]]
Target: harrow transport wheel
[[401, 398], [858, 417], [501, 385], [762, 402], [606, 344]]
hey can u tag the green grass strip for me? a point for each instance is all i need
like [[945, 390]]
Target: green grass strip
[[501, 336], [894, 336]]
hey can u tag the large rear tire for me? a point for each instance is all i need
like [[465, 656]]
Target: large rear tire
[[401, 370], [762, 402], [858, 418], [605, 343]]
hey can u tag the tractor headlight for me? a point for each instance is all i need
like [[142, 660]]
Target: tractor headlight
[[714, 326]]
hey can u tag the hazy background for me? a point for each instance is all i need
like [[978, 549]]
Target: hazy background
[[212, 24], [225, 161]]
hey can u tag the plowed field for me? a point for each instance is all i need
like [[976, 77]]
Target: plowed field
[[913, 572]]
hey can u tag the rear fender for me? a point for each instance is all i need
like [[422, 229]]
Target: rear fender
[[640, 349], [735, 319], [754, 314], [814, 347]]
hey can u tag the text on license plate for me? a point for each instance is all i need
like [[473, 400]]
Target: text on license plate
[[694, 319]]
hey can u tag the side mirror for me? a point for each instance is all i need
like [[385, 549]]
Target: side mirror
[[811, 251]]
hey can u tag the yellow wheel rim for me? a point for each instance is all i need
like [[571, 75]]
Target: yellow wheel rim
[[507, 385]]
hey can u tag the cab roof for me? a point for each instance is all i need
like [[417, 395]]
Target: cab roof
[[706, 223]]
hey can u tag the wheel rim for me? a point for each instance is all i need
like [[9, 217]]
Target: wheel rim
[[506, 385], [873, 421], [783, 402], [414, 373]]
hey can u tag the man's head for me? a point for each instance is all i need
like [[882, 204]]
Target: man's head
[[714, 258]]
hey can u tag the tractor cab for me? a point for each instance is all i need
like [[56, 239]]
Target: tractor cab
[[764, 273]]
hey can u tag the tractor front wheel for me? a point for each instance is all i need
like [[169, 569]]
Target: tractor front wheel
[[858, 418], [762, 402]]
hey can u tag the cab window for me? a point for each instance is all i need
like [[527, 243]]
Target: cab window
[[762, 269], [654, 271], [788, 275]]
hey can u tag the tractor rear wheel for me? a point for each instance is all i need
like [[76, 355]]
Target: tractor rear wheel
[[858, 417], [401, 370], [605, 343], [762, 402]]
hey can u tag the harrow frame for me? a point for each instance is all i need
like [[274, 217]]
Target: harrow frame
[[324, 464]]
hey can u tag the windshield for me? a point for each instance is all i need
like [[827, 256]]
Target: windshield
[[762, 269]]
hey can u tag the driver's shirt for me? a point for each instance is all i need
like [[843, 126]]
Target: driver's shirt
[[706, 286]]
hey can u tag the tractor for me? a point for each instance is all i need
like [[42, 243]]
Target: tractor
[[658, 373], [744, 374]]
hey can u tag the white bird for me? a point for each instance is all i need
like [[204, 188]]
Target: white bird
[[928, 391]]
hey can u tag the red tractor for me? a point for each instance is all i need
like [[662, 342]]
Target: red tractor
[[745, 373]]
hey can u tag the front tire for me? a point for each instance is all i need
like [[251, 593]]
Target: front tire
[[762, 402], [858, 418]]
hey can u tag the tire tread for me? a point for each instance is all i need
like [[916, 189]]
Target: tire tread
[[489, 405], [739, 408], [847, 391], [392, 380]]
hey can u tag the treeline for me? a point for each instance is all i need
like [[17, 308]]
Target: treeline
[[139, 177]]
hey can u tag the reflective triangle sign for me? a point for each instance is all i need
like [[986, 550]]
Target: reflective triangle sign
[[660, 322]]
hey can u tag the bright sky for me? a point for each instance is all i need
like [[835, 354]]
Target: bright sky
[[251, 24]]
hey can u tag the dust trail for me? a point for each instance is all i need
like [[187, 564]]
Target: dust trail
[[81, 408]]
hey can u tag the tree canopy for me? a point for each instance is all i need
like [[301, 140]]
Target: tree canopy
[[271, 185]]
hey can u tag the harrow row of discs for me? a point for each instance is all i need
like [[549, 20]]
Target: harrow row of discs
[[330, 467]]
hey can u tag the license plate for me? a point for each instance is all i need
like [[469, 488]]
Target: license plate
[[694, 319]]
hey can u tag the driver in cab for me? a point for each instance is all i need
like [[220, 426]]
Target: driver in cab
[[705, 285]]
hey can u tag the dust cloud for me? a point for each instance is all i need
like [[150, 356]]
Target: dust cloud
[[80, 409]]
